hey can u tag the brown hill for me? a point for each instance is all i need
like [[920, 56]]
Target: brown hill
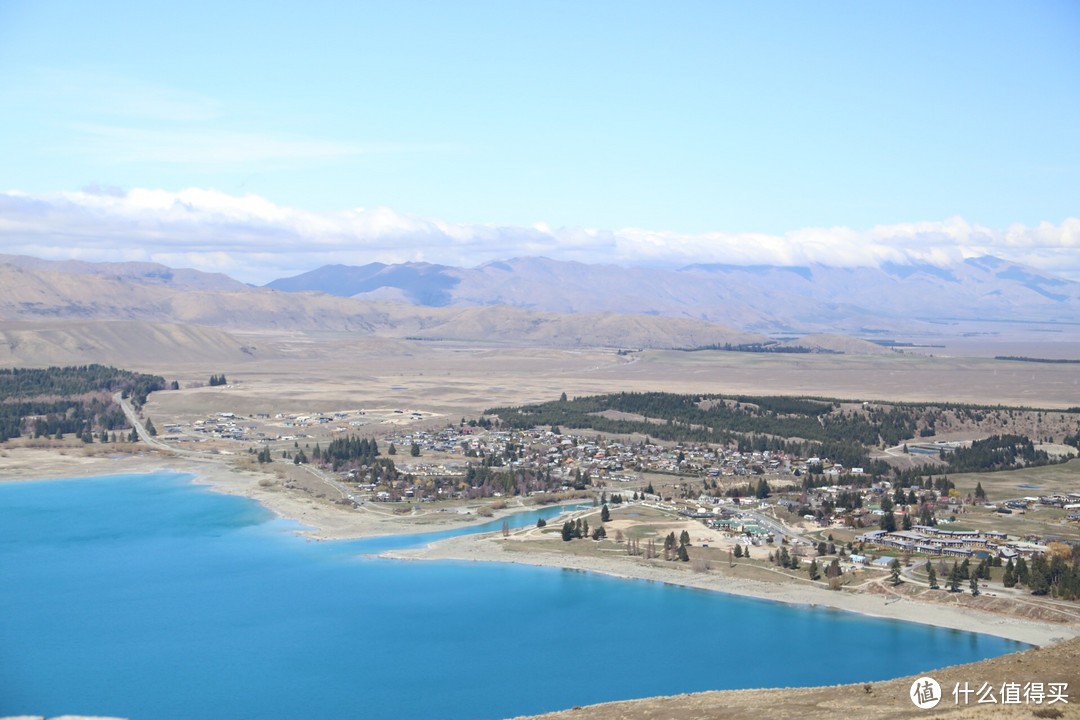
[[120, 341], [34, 295], [145, 272], [839, 344], [581, 330]]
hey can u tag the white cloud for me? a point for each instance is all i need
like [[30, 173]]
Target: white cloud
[[256, 240]]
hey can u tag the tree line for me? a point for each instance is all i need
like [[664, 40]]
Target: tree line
[[74, 400], [806, 427]]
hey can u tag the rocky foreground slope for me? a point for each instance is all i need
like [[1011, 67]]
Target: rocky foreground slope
[[1059, 663]]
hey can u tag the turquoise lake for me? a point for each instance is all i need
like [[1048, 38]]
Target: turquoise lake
[[150, 598]]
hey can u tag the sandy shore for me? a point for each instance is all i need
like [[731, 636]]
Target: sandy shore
[[321, 519], [489, 548], [324, 520]]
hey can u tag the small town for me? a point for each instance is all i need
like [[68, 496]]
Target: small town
[[749, 498]]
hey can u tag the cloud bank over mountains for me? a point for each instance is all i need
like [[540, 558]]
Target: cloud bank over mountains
[[256, 240]]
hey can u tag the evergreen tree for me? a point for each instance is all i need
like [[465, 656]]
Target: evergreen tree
[[541, 522], [813, 570], [1009, 578], [1023, 574], [684, 538], [414, 450], [605, 514], [150, 429], [888, 522], [974, 584], [931, 575], [567, 531], [1039, 577], [954, 578], [894, 572], [683, 554], [738, 551]]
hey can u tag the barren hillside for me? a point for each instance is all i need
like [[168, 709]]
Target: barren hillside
[[33, 296], [885, 700]]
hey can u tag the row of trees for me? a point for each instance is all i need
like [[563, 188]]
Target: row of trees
[[346, 451], [1050, 575], [74, 380], [576, 529], [998, 452], [770, 347], [76, 400], [803, 426], [1053, 576]]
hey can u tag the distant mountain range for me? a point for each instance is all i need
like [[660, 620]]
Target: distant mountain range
[[74, 311], [142, 272], [100, 312], [762, 299]]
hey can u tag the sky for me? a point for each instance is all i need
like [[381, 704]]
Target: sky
[[266, 139]]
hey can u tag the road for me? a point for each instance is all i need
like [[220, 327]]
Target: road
[[146, 437], [774, 526], [140, 429]]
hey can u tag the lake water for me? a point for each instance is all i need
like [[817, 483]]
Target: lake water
[[147, 597]]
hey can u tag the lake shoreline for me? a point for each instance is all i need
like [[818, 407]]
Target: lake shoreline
[[491, 548], [324, 521]]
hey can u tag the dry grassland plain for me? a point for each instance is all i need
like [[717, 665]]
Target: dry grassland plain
[[329, 372]]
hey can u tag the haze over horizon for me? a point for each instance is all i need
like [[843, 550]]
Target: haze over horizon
[[264, 142]]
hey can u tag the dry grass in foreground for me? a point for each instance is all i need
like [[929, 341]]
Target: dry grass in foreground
[[1057, 664]]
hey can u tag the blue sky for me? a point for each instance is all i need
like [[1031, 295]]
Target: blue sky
[[702, 125]]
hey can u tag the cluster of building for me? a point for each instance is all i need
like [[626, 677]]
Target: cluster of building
[[932, 540], [544, 449], [222, 425], [1068, 501]]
